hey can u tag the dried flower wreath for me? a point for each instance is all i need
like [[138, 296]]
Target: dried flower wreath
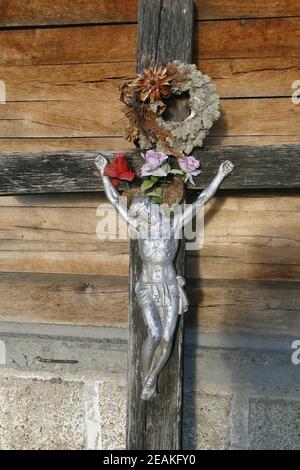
[[167, 144], [147, 97]]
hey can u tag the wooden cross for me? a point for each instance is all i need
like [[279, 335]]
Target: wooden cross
[[165, 33]]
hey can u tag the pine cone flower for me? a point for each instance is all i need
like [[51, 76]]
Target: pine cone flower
[[153, 83]]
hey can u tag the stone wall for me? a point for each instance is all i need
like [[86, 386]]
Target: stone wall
[[65, 388], [241, 392]]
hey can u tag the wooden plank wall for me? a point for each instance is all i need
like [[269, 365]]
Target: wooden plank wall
[[62, 62]]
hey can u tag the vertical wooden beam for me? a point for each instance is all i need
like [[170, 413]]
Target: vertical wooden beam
[[164, 34]]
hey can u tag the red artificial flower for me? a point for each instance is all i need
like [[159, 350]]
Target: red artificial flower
[[119, 170]]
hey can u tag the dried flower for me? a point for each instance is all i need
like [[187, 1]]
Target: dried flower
[[154, 160], [153, 83], [119, 170], [189, 166]]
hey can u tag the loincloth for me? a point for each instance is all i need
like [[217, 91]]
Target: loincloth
[[161, 293]]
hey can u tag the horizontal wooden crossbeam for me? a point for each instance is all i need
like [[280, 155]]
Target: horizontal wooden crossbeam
[[256, 167]]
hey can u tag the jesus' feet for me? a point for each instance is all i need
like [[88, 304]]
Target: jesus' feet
[[149, 390]]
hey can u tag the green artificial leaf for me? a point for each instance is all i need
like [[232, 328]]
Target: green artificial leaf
[[156, 196], [157, 193], [149, 183], [156, 200], [166, 167], [174, 171]]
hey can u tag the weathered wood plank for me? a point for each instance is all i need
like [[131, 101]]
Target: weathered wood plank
[[269, 116], [109, 261], [244, 237], [263, 308], [236, 205], [60, 299], [56, 45], [245, 262], [227, 39], [54, 12], [52, 144], [252, 77], [219, 9], [61, 119], [245, 240], [252, 140], [270, 37], [165, 33], [97, 144], [255, 307], [256, 167], [216, 262], [234, 78], [66, 82]]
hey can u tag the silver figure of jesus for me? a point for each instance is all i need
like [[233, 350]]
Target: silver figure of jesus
[[159, 290]]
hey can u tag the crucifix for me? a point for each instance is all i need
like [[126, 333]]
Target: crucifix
[[157, 297], [159, 289], [164, 35]]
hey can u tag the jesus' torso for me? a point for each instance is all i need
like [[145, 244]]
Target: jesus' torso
[[158, 259]]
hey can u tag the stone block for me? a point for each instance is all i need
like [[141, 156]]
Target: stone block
[[112, 397], [41, 414], [274, 424], [206, 421]]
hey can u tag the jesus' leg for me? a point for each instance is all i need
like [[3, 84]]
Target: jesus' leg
[[164, 348], [153, 323]]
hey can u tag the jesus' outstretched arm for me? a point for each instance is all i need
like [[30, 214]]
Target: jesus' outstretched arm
[[183, 219]]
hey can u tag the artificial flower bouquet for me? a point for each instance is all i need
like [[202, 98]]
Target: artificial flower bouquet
[[158, 174]]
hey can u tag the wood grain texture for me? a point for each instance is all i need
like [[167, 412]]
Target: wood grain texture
[[55, 46], [269, 116], [61, 299], [245, 237], [97, 144], [227, 39], [220, 9], [249, 265], [246, 140], [270, 37], [50, 144], [264, 308], [234, 78], [252, 77], [255, 167], [43, 101], [165, 33], [75, 82], [245, 262], [62, 119], [55, 12], [226, 262], [49, 12]]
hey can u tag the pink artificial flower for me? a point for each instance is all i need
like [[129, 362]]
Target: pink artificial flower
[[153, 162], [189, 166]]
